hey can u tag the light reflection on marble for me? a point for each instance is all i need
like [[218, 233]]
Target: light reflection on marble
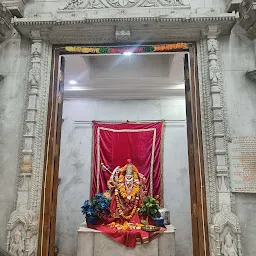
[[75, 163]]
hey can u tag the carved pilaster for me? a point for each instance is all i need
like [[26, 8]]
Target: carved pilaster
[[220, 148], [34, 83], [23, 224], [224, 229]]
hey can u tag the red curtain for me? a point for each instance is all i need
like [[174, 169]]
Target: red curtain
[[113, 144]]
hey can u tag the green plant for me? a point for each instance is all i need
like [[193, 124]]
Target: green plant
[[150, 207]]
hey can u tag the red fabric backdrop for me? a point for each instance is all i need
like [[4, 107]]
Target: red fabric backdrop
[[113, 144]]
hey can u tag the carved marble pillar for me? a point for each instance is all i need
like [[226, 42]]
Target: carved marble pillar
[[224, 228], [220, 146], [23, 224]]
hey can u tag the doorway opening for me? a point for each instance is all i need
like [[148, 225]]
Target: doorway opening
[[138, 87]]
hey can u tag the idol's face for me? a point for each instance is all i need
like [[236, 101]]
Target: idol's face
[[129, 176], [129, 173]]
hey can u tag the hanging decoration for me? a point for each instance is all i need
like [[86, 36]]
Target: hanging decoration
[[121, 50]]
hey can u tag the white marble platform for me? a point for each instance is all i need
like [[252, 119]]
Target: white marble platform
[[93, 243]]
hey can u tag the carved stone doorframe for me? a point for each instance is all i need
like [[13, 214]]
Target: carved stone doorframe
[[204, 30], [221, 220]]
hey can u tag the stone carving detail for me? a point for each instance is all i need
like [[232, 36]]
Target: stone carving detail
[[34, 73], [228, 247], [22, 227], [22, 232], [98, 4], [212, 241], [123, 34], [227, 233], [17, 243], [224, 229], [218, 124]]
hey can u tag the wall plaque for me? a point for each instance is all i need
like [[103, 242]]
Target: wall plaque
[[242, 152]]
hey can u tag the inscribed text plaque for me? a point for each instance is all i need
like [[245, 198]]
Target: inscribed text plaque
[[242, 153]]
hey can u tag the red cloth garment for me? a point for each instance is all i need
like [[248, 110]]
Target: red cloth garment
[[129, 238], [115, 143]]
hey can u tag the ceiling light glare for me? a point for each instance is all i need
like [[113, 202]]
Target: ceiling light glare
[[73, 82], [127, 53]]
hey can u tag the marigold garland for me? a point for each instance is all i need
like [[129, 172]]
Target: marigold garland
[[120, 50], [120, 211], [124, 194]]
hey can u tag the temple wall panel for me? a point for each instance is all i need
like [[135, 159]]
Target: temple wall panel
[[51, 7], [240, 93], [14, 54]]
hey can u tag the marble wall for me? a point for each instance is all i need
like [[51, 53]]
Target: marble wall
[[238, 56], [75, 163], [14, 54]]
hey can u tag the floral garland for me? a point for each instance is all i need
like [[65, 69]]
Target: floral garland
[[121, 50], [124, 194], [120, 211]]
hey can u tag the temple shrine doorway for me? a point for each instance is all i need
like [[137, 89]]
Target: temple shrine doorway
[[113, 88]]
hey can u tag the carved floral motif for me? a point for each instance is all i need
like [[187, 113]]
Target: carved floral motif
[[98, 4]]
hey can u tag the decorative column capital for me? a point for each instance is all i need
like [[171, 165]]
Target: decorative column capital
[[35, 35], [211, 31], [123, 33]]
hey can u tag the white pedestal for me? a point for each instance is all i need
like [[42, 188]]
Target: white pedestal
[[93, 243]]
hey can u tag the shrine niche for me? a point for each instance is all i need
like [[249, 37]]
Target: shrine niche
[[127, 181]]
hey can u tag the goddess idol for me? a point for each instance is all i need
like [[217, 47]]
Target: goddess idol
[[127, 186]]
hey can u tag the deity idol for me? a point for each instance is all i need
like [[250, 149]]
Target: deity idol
[[229, 246], [128, 186]]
